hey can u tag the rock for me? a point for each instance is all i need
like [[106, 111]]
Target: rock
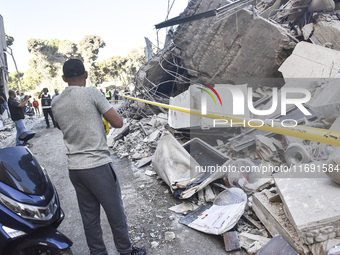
[[154, 244], [169, 236]]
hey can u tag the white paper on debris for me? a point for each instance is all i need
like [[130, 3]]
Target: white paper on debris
[[218, 219], [222, 216]]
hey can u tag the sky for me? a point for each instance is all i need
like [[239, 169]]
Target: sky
[[121, 24]]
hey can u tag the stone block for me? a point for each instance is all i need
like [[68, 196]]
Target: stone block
[[328, 33], [311, 61], [312, 205], [274, 219]]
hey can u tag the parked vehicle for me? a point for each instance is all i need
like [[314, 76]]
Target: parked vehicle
[[30, 211]]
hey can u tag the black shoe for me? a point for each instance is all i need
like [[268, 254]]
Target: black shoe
[[138, 251]]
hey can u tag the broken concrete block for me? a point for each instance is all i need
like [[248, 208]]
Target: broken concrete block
[[153, 136], [312, 206], [274, 219], [311, 61], [277, 245], [143, 162], [221, 51], [328, 33], [252, 243], [209, 194], [150, 173], [169, 236], [162, 118], [273, 195], [267, 148], [184, 207], [307, 30], [154, 244], [326, 103]]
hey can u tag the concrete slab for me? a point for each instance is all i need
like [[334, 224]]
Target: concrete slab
[[311, 61], [312, 206], [272, 216]]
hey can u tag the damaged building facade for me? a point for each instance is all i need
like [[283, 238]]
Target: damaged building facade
[[220, 46]]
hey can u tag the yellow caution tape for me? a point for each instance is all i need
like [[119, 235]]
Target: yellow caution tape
[[326, 136]]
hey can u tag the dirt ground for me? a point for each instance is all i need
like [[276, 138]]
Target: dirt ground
[[146, 200]]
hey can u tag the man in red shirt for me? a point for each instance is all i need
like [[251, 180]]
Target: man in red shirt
[[36, 106]]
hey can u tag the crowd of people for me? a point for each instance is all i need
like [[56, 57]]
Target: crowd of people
[[111, 96], [18, 105]]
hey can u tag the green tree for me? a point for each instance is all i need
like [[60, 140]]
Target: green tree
[[13, 80], [49, 56], [88, 48]]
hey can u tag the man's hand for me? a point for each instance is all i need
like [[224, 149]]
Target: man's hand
[[113, 118]]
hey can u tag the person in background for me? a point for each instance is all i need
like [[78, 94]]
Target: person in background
[[101, 90], [22, 98], [17, 97], [108, 94], [17, 114], [56, 93], [115, 93], [79, 113], [36, 106], [3, 101], [46, 101]]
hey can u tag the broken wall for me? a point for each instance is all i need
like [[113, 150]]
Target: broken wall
[[241, 46]]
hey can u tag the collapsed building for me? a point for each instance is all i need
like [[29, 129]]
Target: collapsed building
[[237, 45]]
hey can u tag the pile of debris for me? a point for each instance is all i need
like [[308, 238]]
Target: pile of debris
[[247, 207], [261, 190], [8, 130], [138, 139]]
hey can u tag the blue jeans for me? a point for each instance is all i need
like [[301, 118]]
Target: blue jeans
[[20, 126], [5, 107]]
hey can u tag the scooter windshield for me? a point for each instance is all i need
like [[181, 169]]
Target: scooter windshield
[[20, 170]]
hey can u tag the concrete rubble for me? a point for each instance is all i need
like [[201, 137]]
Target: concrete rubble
[[263, 45]]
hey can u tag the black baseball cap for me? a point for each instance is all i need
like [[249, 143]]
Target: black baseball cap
[[73, 68]]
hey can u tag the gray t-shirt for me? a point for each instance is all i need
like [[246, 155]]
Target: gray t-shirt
[[78, 112]]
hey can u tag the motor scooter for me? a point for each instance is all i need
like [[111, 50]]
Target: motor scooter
[[30, 211]]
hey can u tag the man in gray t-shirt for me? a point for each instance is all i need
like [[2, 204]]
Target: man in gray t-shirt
[[78, 113]]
